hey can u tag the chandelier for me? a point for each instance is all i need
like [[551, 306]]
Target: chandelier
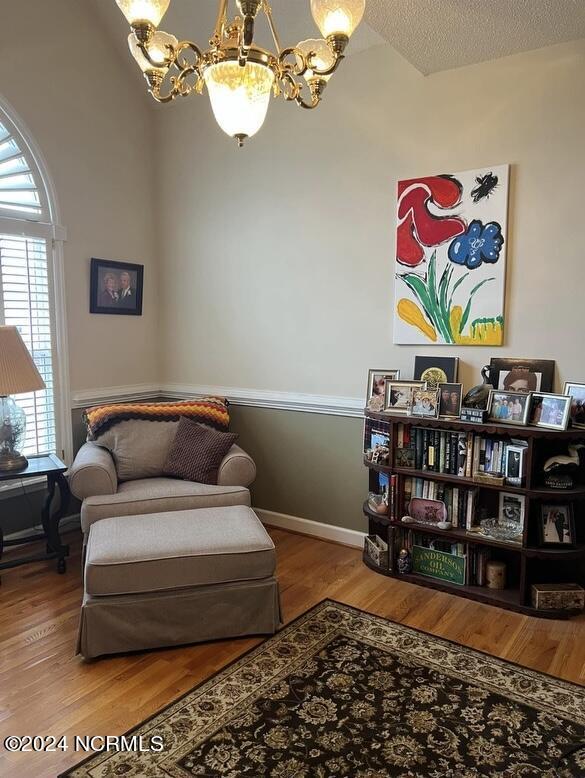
[[239, 75]]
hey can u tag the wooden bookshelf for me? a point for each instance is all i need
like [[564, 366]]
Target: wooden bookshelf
[[527, 562]]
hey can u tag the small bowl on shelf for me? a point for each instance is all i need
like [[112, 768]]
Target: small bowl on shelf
[[501, 529], [377, 504]]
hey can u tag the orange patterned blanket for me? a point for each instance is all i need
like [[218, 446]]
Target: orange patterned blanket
[[212, 411]]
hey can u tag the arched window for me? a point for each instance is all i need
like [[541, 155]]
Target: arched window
[[28, 278]]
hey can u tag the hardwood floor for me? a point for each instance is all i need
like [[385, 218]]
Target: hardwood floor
[[45, 690]]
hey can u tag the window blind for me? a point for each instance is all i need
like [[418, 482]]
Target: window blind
[[24, 302]]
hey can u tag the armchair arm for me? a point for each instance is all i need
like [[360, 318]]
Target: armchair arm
[[236, 469], [93, 472]]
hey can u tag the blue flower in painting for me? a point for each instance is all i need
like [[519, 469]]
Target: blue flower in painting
[[480, 243]]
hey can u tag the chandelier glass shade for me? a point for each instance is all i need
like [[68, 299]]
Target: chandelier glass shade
[[240, 76], [239, 96], [151, 11], [337, 17]]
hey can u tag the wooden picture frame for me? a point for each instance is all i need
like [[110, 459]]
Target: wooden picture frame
[[448, 407], [522, 375], [116, 288]]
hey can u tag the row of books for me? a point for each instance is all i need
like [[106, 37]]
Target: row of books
[[450, 453], [460, 503]]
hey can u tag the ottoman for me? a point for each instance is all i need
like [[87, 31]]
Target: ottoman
[[168, 579]]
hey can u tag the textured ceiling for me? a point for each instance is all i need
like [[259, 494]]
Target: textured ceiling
[[438, 35], [432, 35]]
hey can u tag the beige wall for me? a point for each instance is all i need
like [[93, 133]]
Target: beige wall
[[65, 78], [278, 258]]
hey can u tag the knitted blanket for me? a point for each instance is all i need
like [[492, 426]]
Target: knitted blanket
[[206, 410]]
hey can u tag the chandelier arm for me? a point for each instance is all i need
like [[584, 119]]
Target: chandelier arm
[[301, 102], [181, 62], [329, 71], [167, 62], [290, 89], [300, 65]]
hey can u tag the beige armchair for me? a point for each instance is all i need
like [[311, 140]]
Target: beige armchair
[[93, 478]]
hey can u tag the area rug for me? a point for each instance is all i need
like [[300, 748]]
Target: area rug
[[340, 692]]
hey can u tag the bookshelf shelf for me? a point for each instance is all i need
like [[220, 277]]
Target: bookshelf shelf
[[510, 599], [526, 563]]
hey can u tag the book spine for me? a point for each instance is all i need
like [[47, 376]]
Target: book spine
[[443, 455], [461, 453], [400, 436], [425, 457], [469, 457], [418, 436]]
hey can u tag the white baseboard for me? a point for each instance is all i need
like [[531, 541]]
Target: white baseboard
[[349, 537]]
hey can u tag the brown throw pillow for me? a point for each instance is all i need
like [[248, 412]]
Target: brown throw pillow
[[197, 452]]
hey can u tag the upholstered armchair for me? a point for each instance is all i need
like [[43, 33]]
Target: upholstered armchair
[[126, 478]]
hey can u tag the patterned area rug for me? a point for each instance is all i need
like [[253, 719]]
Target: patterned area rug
[[342, 693]]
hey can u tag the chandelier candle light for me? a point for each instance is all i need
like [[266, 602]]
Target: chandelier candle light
[[239, 75]]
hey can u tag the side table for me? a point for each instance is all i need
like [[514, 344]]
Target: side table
[[54, 470]]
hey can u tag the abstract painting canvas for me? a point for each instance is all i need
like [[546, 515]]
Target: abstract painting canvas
[[451, 258]]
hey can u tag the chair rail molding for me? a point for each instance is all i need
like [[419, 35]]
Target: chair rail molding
[[329, 405], [257, 398], [88, 397]]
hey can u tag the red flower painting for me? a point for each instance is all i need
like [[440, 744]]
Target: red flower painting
[[418, 225]]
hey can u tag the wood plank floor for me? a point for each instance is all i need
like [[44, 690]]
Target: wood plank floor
[[45, 690]]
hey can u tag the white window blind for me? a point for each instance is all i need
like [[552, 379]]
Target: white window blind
[[25, 303]]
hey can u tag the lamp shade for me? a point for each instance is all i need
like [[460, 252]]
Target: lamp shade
[[239, 96], [337, 17], [18, 372], [151, 11]]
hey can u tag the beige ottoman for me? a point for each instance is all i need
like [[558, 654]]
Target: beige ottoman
[[167, 579]]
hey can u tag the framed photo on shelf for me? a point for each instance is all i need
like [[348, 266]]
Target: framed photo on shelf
[[556, 526], [513, 508], [522, 375], [116, 287], [577, 394], [376, 387], [436, 370], [450, 400], [550, 410], [514, 464], [397, 397], [508, 407], [424, 403]]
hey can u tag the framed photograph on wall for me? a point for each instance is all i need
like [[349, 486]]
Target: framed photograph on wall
[[436, 370], [577, 395], [550, 410], [522, 375], [556, 526], [377, 386], [116, 287], [508, 407]]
